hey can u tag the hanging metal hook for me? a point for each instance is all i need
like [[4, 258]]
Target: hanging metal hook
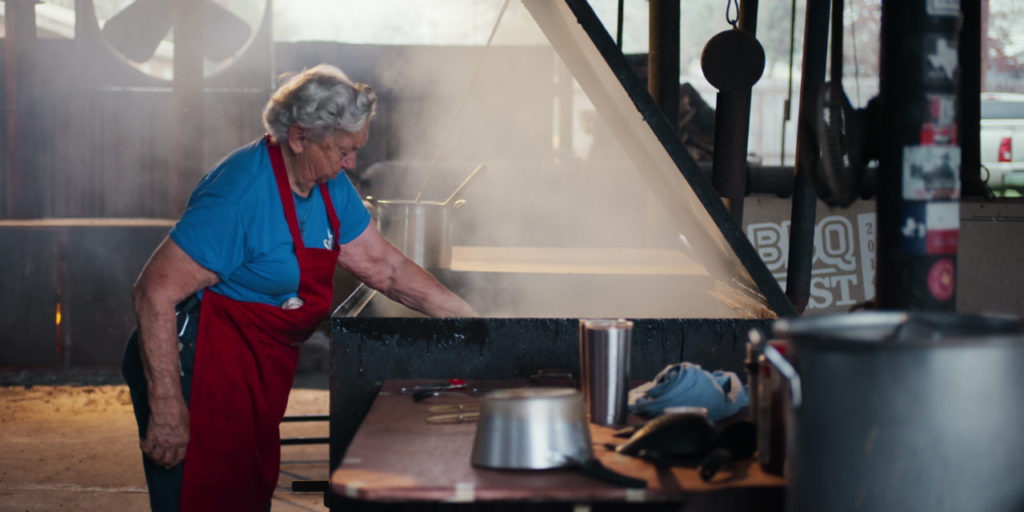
[[729, 18]]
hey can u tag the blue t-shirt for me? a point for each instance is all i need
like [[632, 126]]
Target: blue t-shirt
[[235, 227]]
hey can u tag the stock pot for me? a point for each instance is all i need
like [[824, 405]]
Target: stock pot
[[903, 411], [422, 230], [539, 428]]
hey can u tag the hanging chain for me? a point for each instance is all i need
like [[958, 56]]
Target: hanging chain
[[856, 66], [729, 18]]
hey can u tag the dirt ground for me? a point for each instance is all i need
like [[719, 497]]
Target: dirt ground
[[76, 448]]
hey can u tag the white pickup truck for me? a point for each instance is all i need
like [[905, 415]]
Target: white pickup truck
[[1002, 128]]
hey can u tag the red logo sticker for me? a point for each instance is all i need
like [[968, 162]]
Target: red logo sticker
[[942, 279], [942, 241]]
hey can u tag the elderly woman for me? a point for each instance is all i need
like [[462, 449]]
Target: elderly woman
[[243, 278]]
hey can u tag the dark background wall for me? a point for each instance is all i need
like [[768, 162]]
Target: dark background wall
[[97, 142]]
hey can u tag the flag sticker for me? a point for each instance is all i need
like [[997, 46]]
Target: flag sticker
[[942, 227]]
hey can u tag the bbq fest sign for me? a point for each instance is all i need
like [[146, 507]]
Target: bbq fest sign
[[843, 271]]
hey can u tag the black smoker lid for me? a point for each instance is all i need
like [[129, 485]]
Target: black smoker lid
[[601, 69]]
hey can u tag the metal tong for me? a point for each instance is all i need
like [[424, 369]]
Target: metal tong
[[451, 384], [460, 417], [456, 413]]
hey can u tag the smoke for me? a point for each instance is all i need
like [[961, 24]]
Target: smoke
[[562, 222]]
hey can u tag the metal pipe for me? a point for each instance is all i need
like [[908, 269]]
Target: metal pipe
[[770, 179], [801, 238], [748, 16], [663, 55], [732, 131], [764, 179], [786, 105], [732, 126], [619, 23]]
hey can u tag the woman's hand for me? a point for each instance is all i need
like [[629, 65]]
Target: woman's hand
[[167, 433]]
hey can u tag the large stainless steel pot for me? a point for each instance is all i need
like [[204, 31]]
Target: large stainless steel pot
[[539, 428], [903, 411], [422, 230], [531, 428]]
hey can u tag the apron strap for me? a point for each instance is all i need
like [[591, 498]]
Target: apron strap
[[288, 202], [281, 174], [332, 215]]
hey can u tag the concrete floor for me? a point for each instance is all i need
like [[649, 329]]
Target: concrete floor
[[75, 447]]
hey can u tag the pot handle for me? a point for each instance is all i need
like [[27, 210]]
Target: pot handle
[[371, 204], [593, 468], [464, 182], [782, 365], [355, 302]]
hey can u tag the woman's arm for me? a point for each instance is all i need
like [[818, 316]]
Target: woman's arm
[[169, 277], [384, 268]]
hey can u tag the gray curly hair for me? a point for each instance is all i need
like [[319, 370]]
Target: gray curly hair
[[322, 100]]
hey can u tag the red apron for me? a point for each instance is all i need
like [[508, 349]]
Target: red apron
[[246, 355]]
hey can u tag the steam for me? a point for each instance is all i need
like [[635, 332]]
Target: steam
[[562, 223]]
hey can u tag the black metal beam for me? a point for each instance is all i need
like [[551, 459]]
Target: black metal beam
[[801, 237], [919, 176], [970, 101], [663, 58]]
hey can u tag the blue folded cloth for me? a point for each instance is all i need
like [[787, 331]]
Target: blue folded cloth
[[686, 384]]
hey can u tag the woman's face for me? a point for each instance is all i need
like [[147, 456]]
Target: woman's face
[[327, 158]]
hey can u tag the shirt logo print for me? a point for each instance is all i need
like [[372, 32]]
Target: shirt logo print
[[329, 241]]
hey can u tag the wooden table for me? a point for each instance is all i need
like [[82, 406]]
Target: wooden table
[[396, 456]]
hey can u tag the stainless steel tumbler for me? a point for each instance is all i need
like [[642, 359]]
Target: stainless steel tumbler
[[604, 368]]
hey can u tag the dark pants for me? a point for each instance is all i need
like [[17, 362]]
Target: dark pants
[[164, 484]]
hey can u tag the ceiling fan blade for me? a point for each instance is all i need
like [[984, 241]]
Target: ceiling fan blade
[[137, 30], [223, 32]]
